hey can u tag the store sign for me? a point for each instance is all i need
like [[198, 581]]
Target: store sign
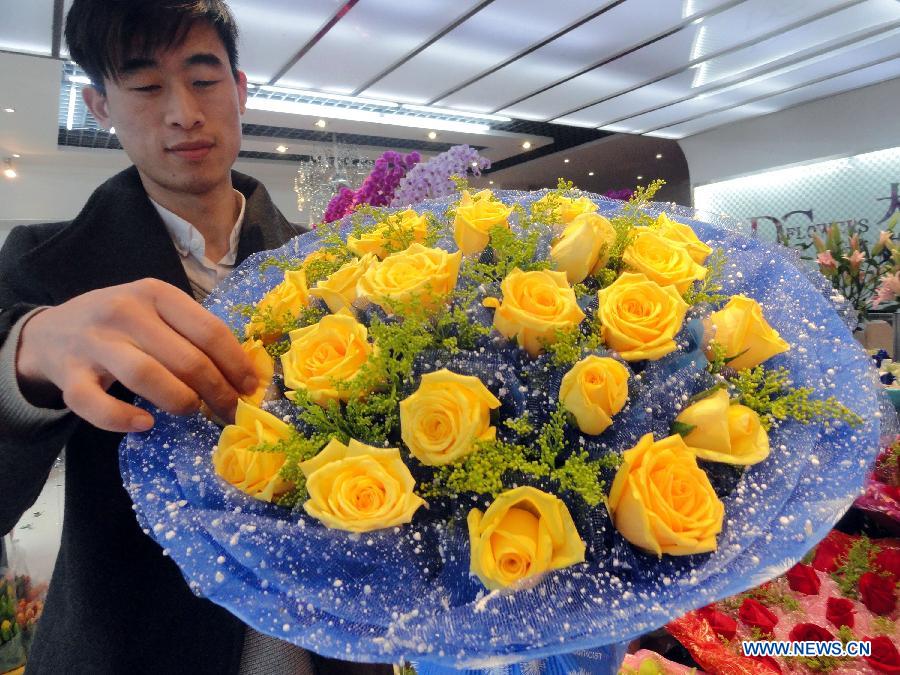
[[860, 192]]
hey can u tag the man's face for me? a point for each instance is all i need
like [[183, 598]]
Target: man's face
[[177, 114]]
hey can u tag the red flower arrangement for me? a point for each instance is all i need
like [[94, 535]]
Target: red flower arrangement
[[803, 579], [849, 586], [839, 612], [877, 593], [756, 615], [884, 656], [810, 632]]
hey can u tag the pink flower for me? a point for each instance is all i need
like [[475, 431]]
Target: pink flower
[[827, 260], [888, 290], [855, 259], [854, 242], [884, 238]]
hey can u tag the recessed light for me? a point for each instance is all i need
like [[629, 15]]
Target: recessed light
[[432, 135], [658, 155], [640, 178], [590, 173], [16, 155], [527, 145], [282, 149], [490, 182], [9, 110], [112, 130], [565, 161], [9, 171], [321, 124]]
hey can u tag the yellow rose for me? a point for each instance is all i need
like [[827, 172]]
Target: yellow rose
[[263, 366], [359, 488], [535, 305], [323, 355], [447, 414], [565, 209], [391, 236], [663, 261], [523, 533], [662, 502], [339, 289], [475, 217], [684, 235], [583, 247], [319, 255], [595, 389], [746, 335], [279, 307], [252, 471], [723, 432], [419, 272], [639, 318]]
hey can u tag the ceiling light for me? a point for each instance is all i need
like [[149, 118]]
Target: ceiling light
[[432, 135], [640, 178], [16, 155], [455, 113], [394, 116], [8, 169], [527, 145], [658, 155], [321, 124], [490, 182], [329, 97], [590, 173], [9, 110], [112, 130], [565, 161], [282, 149]]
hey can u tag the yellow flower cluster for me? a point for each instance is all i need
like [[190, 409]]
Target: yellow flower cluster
[[661, 500]]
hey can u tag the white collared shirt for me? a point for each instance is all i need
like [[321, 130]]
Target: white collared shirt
[[203, 273]]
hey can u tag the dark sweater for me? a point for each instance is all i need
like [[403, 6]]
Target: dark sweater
[[115, 604]]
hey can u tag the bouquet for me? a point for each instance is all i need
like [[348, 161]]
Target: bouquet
[[867, 276], [506, 426]]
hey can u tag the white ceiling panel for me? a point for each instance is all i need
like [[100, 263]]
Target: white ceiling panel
[[272, 32], [792, 77], [370, 38], [813, 39], [731, 28], [26, 26], [837, 85], [614, 31], [823, 66], [499, 31]]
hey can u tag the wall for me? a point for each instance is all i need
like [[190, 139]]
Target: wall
[[847, 124]]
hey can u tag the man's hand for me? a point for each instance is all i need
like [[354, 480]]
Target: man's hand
[[148, 335]]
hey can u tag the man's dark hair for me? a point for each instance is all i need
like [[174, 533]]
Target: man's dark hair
[[103, 34]]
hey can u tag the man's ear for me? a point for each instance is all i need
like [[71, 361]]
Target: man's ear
[[241, 82], [98, 105]]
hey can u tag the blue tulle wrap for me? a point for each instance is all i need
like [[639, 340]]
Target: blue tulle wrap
[[406, 593]]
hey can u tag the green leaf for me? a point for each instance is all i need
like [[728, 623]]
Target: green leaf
[[681, 428]]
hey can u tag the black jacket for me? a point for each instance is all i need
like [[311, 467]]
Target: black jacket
[[115, 604]]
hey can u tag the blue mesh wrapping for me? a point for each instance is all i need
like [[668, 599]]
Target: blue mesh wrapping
[[406, 593]]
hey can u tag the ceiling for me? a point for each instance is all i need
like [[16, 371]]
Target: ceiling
[[557, 75]]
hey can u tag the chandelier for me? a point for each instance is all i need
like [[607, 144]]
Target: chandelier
[[319, 177]]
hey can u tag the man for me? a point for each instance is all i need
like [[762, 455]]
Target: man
[[98, 309]]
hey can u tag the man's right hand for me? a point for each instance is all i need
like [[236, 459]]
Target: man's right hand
[[148, 335]]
